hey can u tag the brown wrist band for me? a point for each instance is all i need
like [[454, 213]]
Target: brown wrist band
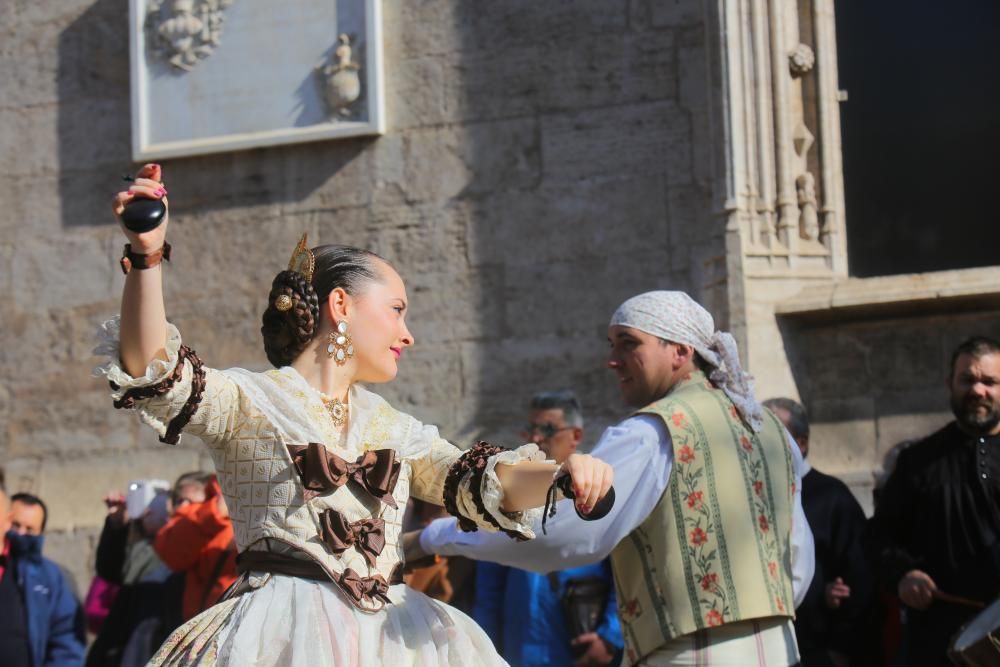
[[131, 260]]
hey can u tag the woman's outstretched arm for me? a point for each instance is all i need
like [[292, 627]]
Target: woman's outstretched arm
[[143, 318], [526, 484]]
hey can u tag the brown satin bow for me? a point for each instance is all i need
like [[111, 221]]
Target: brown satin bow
[[322, 472], [359, 587], [366, 535]]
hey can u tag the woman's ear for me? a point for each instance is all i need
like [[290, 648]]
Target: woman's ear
[[337, 304]]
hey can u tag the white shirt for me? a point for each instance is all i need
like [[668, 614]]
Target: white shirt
[[640, 451]]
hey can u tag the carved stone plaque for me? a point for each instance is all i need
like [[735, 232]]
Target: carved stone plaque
[[210, 76]]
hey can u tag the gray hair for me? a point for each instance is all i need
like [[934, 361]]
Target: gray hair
[[798, 420], [564, 400]]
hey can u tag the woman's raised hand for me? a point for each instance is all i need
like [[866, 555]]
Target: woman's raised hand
[[591, 479], [148, 183]]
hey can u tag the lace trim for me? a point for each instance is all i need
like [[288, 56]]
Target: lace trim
[[472, 491], [198, 383], [492, 491], [128, 399], [109, 345]]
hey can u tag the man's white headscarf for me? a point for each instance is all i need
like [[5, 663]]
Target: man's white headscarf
[[676, 317]]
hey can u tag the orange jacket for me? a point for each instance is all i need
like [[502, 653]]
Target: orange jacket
[[194, 541]]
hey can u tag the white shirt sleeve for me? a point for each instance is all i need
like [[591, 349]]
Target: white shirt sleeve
[[803, 547], [640, 452]]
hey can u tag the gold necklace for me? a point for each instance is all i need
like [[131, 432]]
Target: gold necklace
[[337, 408]]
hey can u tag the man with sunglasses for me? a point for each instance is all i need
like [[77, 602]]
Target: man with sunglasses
[[530, 616]]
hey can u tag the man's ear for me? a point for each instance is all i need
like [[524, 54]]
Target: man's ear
[[577, 436], [682, 355]]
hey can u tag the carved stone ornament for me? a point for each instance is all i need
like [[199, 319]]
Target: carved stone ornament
[[183, 32], [801, 60], [342, 85], [805, 186]]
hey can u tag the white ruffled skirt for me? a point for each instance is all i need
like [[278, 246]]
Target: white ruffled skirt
[[294, 622]]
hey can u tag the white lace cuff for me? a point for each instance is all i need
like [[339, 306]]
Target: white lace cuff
[[156, 414], [109, 345], [491, 493]]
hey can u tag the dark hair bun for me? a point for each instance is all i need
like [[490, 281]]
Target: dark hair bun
[[286, 333]]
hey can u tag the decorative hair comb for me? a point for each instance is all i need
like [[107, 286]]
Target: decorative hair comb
[[302, 260]]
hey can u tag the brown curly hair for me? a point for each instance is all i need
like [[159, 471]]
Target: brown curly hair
[[287, 333]]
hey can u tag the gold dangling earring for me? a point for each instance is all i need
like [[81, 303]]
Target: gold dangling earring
[[341, 347]]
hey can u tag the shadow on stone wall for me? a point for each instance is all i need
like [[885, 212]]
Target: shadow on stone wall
[[870, 381], [95, 138], [586, 188]]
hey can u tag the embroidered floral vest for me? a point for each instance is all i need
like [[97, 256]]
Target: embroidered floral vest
[[716, 547]]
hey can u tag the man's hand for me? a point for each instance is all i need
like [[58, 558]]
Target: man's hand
[[916, 589], [598, 652], [836, 592]]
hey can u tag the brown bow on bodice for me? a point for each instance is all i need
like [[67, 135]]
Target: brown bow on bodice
[[366, 535], [359, 587], [322, 471]]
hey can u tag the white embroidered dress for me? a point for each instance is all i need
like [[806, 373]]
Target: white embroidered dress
[[248, 421]]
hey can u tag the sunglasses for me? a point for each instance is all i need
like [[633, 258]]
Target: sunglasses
[[546, 430]]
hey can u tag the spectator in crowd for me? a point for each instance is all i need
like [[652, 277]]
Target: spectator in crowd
[[198, 540], [189, 489], [125, 557], [523, 612], [936, 529], [41, 622], [831, 622], [28, 514]]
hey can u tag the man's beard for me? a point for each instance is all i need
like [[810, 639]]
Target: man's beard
[[966, 412]]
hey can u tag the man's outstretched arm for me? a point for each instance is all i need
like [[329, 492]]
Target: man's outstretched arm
[[640, 452]]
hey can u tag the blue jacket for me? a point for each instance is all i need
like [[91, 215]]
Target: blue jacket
[[54, 617], [523, 615]]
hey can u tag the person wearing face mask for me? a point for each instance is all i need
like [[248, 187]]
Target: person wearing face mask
[[936, 529], [41, 621], [315, 469], [710, 549]]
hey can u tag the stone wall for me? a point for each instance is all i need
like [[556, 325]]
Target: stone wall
[[544, 161], [870, 359]]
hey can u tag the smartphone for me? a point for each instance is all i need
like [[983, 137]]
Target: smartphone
[[140, 493]]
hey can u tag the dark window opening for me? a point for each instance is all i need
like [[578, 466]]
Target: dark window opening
[[921, 133]]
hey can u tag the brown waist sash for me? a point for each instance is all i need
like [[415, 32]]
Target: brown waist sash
[[357, 587], [267, 561]]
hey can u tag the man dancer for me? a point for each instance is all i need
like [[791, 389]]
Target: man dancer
[[707, 482]]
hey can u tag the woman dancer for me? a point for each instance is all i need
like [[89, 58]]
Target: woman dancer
[[315, 468]]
